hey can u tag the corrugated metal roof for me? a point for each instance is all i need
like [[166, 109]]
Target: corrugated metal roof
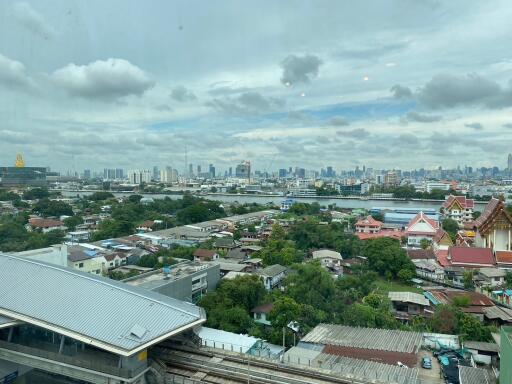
[[408, 297], [229, 341], [93, 309], [482, 346], [369, 338], [496, 312], [272, 270], [352, 368], [470, 375]]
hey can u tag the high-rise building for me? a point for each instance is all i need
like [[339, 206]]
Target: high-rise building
[[190, 170], [243, 170], [156, 173], [509, 162], [119, 174], [230, 171], [139, 176], [87, 174], [282, 173], [198, 170], [168, 175], [329, 172], [211, 169]]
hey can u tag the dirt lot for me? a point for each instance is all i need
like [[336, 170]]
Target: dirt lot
[[430, 376]]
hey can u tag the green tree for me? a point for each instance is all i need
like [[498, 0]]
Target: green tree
[[48, 207], [425, 243], [36, 193], [444, 319], [467, 278], [72, 221], [451, 227], [148, 261], [311, 284], [387, 257], [100, 196]]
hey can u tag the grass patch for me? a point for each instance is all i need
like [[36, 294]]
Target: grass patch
[[385, 286]]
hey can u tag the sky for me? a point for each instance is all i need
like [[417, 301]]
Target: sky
[[133, 84]]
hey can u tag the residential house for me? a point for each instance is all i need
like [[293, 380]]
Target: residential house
[[420, 254], [44, 225], [272, 276], [498, 316], [493, 229], [482, 352], [491, 277], [368, 225], [146, 226], [470, 257], [429, 269], [458, 208], [205, 255], [261, 312], [116, 259], [78, 236], [421, 227], [478, 302], [90, 260], [408, 304], [225, 244], [327, 257], [504, 259]]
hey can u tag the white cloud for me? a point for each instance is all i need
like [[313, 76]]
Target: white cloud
[[34, 21], [103, 79], [13, 73]]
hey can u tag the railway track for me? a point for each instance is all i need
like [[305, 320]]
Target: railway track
[[226, 368]]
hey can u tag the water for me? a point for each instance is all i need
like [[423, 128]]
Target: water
[[339, 202]]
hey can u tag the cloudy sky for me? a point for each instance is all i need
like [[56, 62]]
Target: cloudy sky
[[132, 84]]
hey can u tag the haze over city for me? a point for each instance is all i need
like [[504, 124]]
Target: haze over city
[[129, 84]]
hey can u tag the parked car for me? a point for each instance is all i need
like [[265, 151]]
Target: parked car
[[426, 363]]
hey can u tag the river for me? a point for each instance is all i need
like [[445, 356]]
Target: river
[[324, 201]]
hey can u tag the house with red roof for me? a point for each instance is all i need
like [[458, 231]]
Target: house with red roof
[[368, 225], [369, 228], [493, 229], [503, 259], [419, 228], [205, 255], [458, 208], [470, 257], [44, 225]]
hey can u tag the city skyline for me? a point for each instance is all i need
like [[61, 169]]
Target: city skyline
[[296, 85]]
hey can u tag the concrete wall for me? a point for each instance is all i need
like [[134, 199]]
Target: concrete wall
[[56, 254], [182, 289]]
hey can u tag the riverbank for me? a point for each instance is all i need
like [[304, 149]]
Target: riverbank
[[347, 202]]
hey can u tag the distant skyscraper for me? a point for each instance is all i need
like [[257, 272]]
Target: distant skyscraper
[[243, 170], [509, 163], [211, 169], [190, 170], [282, 173], [230, 171], [139, 176], [156, 173], [329, 172], [119, 174], [87, 174]]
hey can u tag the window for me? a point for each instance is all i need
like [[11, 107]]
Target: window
[[80, 265]]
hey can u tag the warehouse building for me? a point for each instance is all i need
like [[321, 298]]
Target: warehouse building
[[379, 345]]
